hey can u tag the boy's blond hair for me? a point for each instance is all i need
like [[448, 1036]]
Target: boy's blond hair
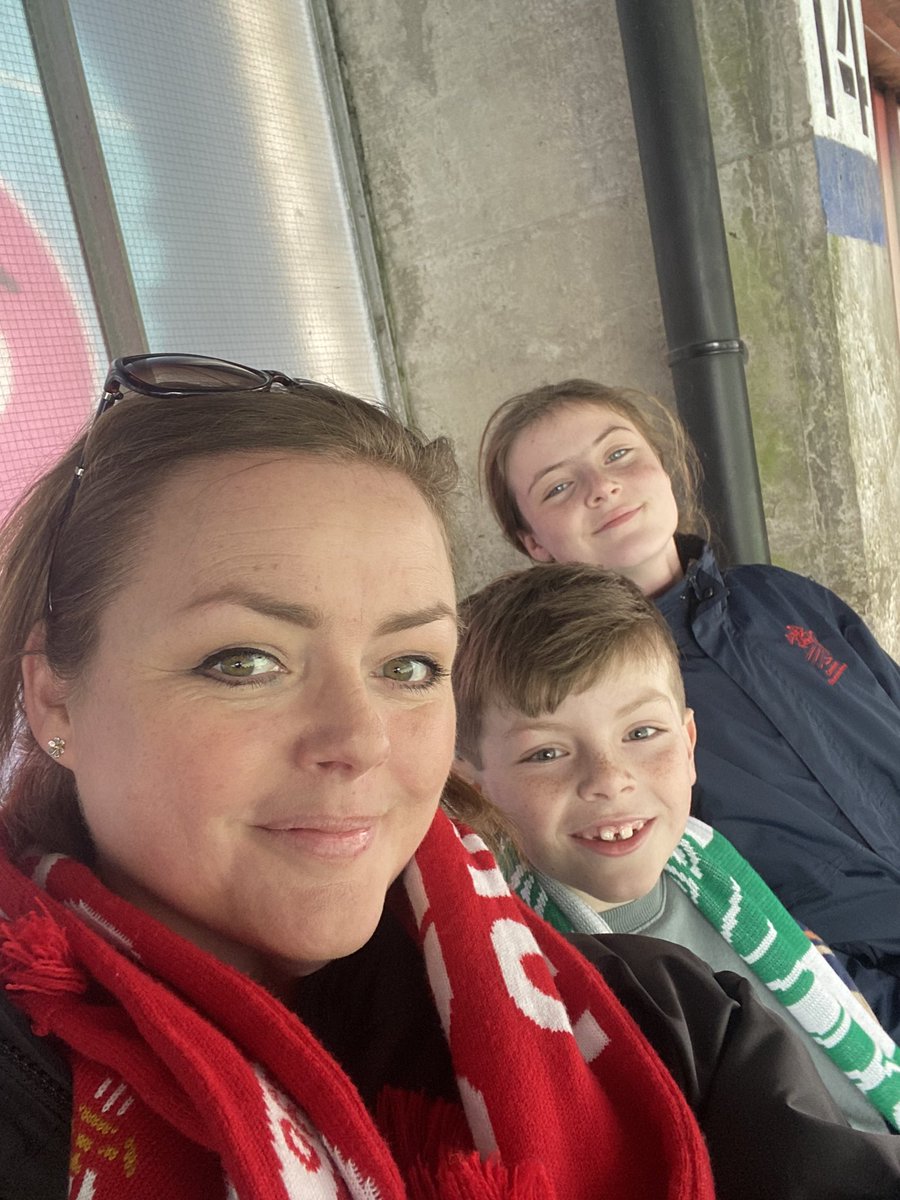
[[531, 638], [660, 428]]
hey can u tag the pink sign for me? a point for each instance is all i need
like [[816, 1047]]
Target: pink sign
[[47, 374]]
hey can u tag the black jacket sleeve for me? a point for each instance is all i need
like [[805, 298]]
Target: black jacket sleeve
[[772, 1129], [35, 1111]]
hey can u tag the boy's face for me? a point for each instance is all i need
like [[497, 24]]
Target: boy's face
[[591, 490], [600, 789]]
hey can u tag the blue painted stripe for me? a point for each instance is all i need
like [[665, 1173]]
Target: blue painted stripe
[[851, 192]]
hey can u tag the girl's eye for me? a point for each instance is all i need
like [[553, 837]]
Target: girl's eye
[[643, 733], [412, 671], [545, 754], [557, 490], [242, 664], [616, 455]]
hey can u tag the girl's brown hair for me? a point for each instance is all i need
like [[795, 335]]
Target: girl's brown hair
[[662, 429], [131, 453]]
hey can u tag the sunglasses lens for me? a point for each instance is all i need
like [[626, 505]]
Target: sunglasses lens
[[188, 373]]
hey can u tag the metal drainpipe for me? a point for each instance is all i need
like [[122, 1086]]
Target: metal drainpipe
[[706, 354]]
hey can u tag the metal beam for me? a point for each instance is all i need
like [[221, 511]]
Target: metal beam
[[78, 145], [351, 164]]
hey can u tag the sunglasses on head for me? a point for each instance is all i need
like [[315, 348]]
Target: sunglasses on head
[[164, 375]]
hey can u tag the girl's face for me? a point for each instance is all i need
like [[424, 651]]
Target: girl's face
[[261, 739], [591, 490]]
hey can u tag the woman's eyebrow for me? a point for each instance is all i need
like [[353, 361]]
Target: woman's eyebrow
[[565, 461], [310, 617], [306, 615], [416, 617]]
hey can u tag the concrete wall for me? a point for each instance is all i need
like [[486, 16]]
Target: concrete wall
[[815, 307], [506, 194]]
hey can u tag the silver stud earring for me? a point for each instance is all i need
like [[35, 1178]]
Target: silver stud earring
[[56, 747]]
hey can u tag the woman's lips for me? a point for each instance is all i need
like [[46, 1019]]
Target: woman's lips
[[334, 841], [619, 518]]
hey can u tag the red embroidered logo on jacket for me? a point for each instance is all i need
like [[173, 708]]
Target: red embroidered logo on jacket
[[815, 652]]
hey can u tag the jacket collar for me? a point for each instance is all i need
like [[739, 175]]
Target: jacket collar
[[702, 582]]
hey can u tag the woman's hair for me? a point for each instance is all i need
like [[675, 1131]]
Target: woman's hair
[[663, 431], [131, 452], [466, 804], [531, 638]]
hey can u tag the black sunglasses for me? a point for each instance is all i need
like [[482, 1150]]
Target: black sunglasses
[[163, 375]]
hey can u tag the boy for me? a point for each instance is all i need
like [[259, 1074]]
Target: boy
[[573, 724]]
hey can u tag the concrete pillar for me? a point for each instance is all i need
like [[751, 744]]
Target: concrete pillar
[[792, 122]]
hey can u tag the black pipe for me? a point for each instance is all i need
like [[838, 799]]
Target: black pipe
[[706, 354]]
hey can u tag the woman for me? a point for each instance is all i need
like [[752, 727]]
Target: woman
[[231, 613]]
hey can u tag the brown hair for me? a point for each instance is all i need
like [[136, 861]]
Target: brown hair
[[531, 638], [663, 431], [466, 803], [131, 453]]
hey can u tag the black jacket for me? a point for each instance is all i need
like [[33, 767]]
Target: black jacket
[[35, 1111], [798, 752], [772, 1129]]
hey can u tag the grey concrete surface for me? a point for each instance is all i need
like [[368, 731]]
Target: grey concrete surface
[[504, 182]]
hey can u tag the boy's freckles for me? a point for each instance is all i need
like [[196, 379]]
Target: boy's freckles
[[599, 789]]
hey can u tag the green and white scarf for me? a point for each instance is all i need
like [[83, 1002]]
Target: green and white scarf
[[754, 922]]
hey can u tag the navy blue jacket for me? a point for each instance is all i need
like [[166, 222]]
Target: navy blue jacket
[[798, 752]]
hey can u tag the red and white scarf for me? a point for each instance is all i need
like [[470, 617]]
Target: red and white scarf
[[191, 1080]]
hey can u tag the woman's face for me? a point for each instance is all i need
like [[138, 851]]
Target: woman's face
[[262, 736]]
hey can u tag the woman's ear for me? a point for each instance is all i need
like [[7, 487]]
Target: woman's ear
[[46, 699]]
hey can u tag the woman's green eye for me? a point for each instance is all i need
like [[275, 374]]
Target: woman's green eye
[[242, 663], [409, 670]]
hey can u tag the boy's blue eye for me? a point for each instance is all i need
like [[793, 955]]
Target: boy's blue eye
[[545, 754], [643, 733]]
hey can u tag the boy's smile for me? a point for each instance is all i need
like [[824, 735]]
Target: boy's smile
[[615, 839], [599, 789]]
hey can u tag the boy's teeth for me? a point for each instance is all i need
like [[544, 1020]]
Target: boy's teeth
[[619, 833]]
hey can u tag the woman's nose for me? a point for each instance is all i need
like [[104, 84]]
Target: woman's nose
[[344, 730]]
